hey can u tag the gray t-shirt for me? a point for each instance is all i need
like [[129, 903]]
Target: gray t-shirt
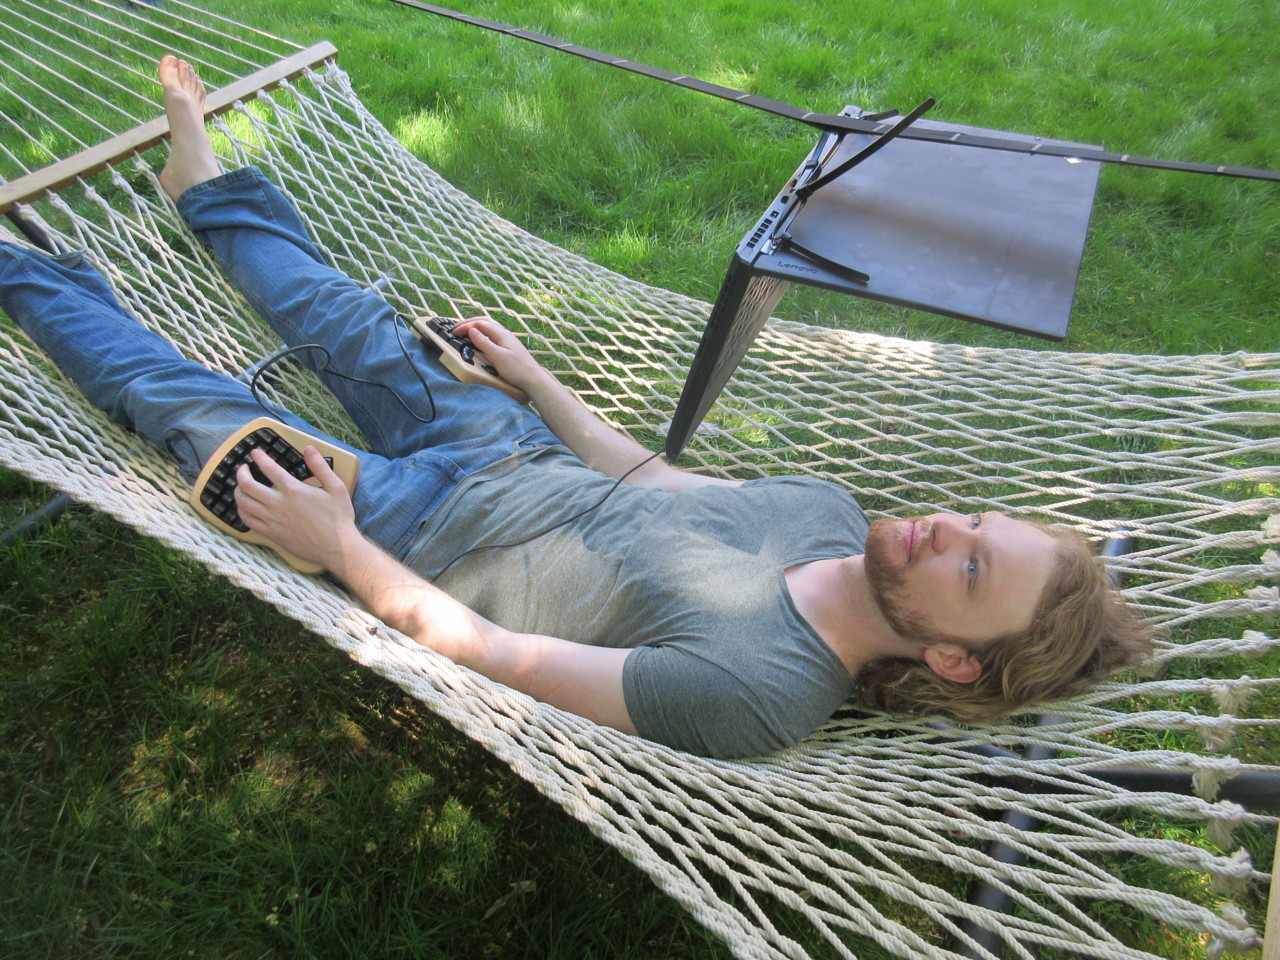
[[723, 664]]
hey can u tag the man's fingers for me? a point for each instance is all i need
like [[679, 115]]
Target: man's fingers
[[483, 339], [486, 327], [249, 493], [281, 478], [249, 510], [269, 468], [321, 470], [247, 484]]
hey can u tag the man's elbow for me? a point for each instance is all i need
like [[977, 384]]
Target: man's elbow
[[463, 636]]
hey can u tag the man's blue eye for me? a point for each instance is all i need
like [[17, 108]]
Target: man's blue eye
[[973, 568], [975, 521]]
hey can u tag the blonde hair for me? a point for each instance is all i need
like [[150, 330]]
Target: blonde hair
[[1083, 630]]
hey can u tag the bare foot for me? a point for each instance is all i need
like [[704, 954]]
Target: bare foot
[[191, 156]]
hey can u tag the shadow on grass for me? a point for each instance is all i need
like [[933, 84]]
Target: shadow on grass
[[186, 772]]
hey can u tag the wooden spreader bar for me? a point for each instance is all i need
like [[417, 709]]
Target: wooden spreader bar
[[144, 136]]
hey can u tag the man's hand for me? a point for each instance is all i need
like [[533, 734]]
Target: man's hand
[[503, 350], [314, 523]]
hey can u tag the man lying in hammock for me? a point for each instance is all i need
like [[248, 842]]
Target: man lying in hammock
[[717, 616]]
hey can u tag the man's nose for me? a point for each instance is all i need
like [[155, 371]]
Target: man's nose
[[949, 529]]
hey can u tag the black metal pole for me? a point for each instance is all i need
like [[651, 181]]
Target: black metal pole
[[49, 513], [28, 227]]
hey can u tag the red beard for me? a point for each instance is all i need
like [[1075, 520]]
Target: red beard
[[886, 566]]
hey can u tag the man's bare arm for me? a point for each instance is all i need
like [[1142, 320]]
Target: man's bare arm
[[318, 524], [597, 444]]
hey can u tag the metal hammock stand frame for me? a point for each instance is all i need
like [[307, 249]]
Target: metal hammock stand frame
[[986, 759]]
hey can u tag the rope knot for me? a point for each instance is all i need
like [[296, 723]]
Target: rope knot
[[1211, 774], [1231, 695], [1245, 939], [1216, 733], [1269, 598], [1254, 643], [1271, 529], [1220, 826]]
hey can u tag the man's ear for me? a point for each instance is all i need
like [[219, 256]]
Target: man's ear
[[952, 662]]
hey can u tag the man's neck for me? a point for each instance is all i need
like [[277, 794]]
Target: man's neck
[[835, 598]]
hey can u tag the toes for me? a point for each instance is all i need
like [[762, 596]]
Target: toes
[[190, 79], [179, 73]]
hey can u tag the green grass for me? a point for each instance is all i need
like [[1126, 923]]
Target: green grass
[[660, 183], [185, 772]]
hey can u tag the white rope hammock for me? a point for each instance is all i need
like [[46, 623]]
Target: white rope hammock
[[871, 830]]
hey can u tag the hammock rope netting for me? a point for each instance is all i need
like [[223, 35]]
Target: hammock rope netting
[[872, 829]]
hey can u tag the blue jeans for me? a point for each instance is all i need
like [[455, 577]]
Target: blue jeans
[[142, 382]]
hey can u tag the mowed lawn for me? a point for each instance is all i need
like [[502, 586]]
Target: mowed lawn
[[184, 772]]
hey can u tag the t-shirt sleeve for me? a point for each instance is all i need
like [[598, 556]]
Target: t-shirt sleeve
[[677, 698]]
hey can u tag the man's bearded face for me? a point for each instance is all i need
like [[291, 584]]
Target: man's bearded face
[[960, 579]]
